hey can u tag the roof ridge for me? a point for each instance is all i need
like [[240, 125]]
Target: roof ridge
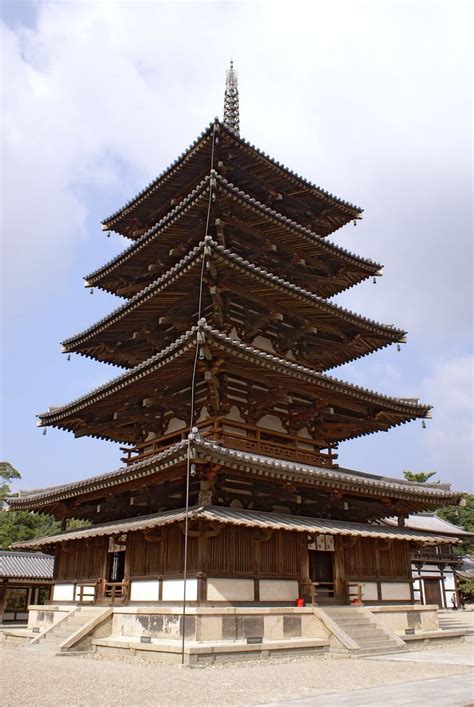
[[154, 182]]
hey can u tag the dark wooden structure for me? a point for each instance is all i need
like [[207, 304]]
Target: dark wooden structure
[[25, 578], [225, 333]]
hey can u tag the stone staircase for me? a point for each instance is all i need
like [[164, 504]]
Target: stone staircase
[[450, 620], [67, 633], [367, 636]]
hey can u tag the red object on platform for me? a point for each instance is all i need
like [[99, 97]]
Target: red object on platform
[[299, 602]]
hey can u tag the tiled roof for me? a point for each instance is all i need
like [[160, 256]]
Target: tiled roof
[[207, 450], [26, 565], [205, 135], [431, 523], [232, 516], [414, 409], [237, 262], [201, 188]]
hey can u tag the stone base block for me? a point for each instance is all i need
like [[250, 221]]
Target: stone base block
[[208, 652]]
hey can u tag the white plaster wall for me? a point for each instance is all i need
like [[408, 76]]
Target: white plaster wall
[[234, 414], [396, 591], [88, 594], [278, 590], [173, 590], [262, 342], [449, 581], [303, 432], [148, 590], [369, 591], [63, 592], [430, 569], [174, 425], [271, 422], [230, 589]]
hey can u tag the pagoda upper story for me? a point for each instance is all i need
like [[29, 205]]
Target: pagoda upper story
[[226, 322]]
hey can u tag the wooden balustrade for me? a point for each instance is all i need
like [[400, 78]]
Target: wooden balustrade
[[433, 556], [355, 592], [83, 596], [115, 592], [324, 592], [239, 435]]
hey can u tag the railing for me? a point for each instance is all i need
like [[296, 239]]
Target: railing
[[433, 556], [239, 435], [114, 592], [324, 591], [355, 592], [86, 592]]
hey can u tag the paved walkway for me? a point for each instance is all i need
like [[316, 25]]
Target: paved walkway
[[453, 691], [427, 657]]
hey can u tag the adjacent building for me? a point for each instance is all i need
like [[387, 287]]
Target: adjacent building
[[25, 578], [435, 568]]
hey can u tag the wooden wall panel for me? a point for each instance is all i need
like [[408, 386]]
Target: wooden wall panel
[[79, 561]]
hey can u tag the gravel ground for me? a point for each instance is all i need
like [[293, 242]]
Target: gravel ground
[[30, 677]]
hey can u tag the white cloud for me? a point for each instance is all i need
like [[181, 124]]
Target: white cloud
[[369, 100], [326, 88], [449, 444]]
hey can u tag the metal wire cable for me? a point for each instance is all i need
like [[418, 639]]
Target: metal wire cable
[[192, 413]]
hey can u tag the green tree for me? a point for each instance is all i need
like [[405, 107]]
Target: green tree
[[23, 525], [420, 476], [7, 473], [462, 515]]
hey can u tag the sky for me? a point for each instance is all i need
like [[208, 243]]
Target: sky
[[370, 100]]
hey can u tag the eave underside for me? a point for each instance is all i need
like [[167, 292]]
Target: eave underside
[[241, 162], [258, 482], [253, 519], [237, 294], [251, 229], [230, 374]]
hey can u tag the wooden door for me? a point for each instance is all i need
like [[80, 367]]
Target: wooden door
[[432, 591], [321, 572]]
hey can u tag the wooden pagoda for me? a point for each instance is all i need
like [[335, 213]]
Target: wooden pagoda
[[226, 334]]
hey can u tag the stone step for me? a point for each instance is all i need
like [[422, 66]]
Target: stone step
[[378, 651], [378, 633], [360, 627], [370, 637], [70, 625], [374, 644], [353, 624]]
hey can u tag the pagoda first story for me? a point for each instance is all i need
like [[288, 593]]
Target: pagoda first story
[[260, 531], [256, 554], [226, 334]]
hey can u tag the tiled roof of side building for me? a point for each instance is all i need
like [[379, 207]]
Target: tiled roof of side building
[[26, 565], [262, 156], [432, 523]]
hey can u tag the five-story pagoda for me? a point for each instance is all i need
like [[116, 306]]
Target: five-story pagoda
[[229, 419]]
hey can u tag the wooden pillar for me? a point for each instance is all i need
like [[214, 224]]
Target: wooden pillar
[[339, 571], [3, 597], [306, 589]]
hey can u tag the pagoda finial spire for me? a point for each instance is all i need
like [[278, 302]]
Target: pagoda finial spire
[[231, 100]]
